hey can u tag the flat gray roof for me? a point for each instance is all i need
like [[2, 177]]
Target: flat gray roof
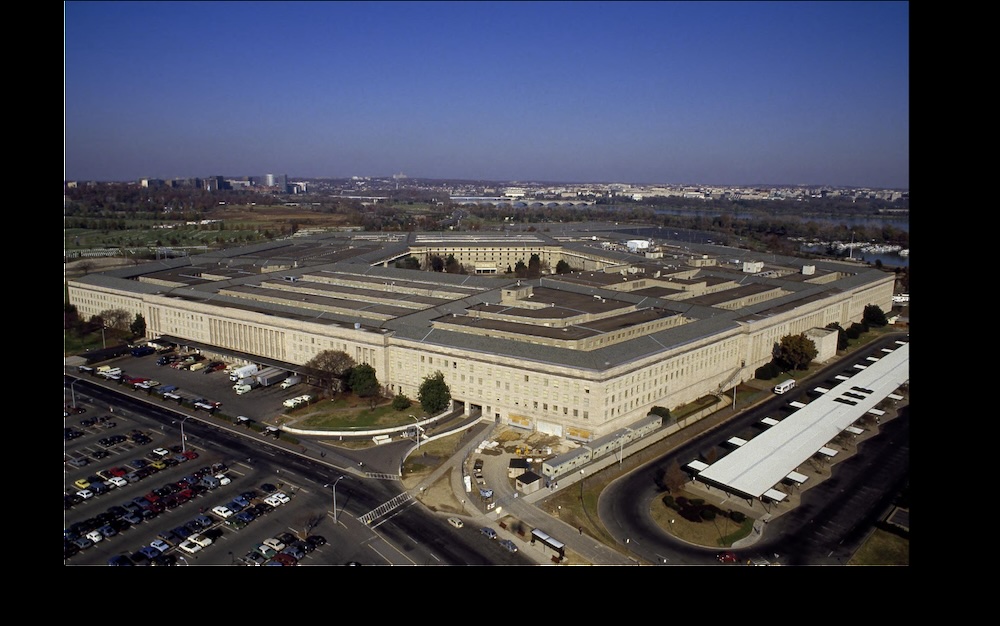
[[759, 465]]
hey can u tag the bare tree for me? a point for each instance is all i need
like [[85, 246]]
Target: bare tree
[[331, 366]]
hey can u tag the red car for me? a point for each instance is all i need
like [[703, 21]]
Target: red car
[[117, 471], [190, 454], [727, 557], [284, 559]]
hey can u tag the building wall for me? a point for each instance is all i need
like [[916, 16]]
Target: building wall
[[566, 401]]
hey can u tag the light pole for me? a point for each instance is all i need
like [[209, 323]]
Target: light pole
[[72, 392], [183, 446], [104, 344], [417, 427], [334, 485], [581, 485]]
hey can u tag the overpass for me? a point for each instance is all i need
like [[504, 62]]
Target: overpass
[[519, 202]]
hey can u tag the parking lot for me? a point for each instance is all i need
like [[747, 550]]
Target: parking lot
[[135, 493]]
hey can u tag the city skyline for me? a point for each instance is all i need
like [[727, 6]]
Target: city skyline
[[712, 93]]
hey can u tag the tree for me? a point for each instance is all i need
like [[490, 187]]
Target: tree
[[138, 326], [331, 366], [434, 395], [116, 319], [874, 316], [562, 267], [408, 263], [437, 263], [795, 352], [452, 266], [674, 477], [364, 383], [520, 269], [400, 402], [534, 266]]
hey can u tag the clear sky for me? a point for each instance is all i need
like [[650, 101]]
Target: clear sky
[[714, 93]]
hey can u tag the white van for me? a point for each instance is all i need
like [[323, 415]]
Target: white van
[[784, 386]]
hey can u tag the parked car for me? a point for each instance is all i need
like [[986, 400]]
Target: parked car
[[160, 545], [222, 511], [489, 532], [508, 545], [254, 558]]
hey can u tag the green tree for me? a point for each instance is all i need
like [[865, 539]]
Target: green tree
[[562, 267], [364, 383], [874, 316], [452, 266], [520, 269], [408, 263], [138, 326], [331, 367], [534, 266], [795, 352], [400, 402], [434, 395]]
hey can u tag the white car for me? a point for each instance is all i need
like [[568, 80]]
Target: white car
[[222, 511], [189, 546], [160, 545], [117, 481], [276, 499], [305, 398], [223, 479], [86, 494], [95, 536], [291, 403], [161, 452], [242, 389], [274, 543]]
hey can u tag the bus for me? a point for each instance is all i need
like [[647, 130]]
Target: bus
[[784, 386]]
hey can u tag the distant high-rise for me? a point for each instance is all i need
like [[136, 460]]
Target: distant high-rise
[[276, 180]]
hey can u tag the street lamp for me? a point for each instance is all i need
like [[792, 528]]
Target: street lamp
[[417, 427], [334, 486], [581, 485], [72, 392], [183, 447]]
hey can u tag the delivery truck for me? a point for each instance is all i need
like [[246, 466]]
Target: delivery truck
[[271, 376], [291, 381], [245, 371]]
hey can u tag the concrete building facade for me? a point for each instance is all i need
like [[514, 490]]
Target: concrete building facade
[[578, 355]]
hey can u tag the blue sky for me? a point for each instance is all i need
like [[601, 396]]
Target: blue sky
[[714, 93]]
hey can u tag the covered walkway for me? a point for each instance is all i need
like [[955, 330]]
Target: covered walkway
[[756, 468]]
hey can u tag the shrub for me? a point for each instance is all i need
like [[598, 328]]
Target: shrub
[[737, 516], [670, 503], [401, 402], [708, 514]]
